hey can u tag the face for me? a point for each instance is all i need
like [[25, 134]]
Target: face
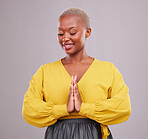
[[72, 33]]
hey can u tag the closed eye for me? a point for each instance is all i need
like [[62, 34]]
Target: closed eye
[[72, 33], [60, 34]]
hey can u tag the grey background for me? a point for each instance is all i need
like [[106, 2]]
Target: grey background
[[28, 39]]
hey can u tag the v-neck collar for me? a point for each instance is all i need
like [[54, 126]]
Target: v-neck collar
[[69, 76]]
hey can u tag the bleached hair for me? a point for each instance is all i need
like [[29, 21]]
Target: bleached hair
[[79, 12]]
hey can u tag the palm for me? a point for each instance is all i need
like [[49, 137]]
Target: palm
[[74, 98], [77, 96], [77, 102], [70, 104]]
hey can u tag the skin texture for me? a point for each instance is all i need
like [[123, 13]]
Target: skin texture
[[74, 98], [72, 30]]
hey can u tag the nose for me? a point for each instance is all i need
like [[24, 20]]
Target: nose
[[66, 37]]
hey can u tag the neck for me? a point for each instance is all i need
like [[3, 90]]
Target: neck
[[77, 58]]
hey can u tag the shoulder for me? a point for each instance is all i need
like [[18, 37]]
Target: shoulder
[[109, 67], [48, 66], [51, 65], [104, 64]]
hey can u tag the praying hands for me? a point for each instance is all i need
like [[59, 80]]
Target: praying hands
[[74, 98]]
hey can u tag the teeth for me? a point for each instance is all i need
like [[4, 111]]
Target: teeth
[[67, 45]]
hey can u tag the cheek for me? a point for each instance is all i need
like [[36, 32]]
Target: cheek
[[80, 38]]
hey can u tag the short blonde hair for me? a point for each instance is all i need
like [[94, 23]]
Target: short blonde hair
[[79, 12]]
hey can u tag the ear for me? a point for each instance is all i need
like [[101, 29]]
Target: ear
[[88, 32]]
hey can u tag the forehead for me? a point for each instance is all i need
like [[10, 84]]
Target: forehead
[[68, 21]]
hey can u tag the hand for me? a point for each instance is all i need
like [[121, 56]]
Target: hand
[[70, 103], [74, 98], [77, 96]]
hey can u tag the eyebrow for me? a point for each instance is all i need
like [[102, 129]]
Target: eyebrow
[[72, 27], [69, 28]]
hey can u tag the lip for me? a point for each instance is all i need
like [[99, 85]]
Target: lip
[[67, 46], [67, 43]]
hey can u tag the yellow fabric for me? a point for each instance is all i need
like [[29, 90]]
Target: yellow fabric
[[104, 131], [104, 94]]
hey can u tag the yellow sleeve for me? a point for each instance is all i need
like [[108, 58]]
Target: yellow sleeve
[[113, 110], [35, 110]]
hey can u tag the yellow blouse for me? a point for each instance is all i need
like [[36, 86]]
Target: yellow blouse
[[104, 95]]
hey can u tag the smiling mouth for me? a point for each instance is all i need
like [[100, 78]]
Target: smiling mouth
[[67, 45]]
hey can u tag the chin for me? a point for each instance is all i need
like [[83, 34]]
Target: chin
[[70, 53]]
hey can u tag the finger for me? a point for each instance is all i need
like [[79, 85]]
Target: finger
[[75, 77], [75, 80], [76, 96], [71, 89], [75, 88]]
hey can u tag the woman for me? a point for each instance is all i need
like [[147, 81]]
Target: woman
[[77, 96]]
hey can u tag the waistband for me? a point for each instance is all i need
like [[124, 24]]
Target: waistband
[[77, 120], [104, 128]]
